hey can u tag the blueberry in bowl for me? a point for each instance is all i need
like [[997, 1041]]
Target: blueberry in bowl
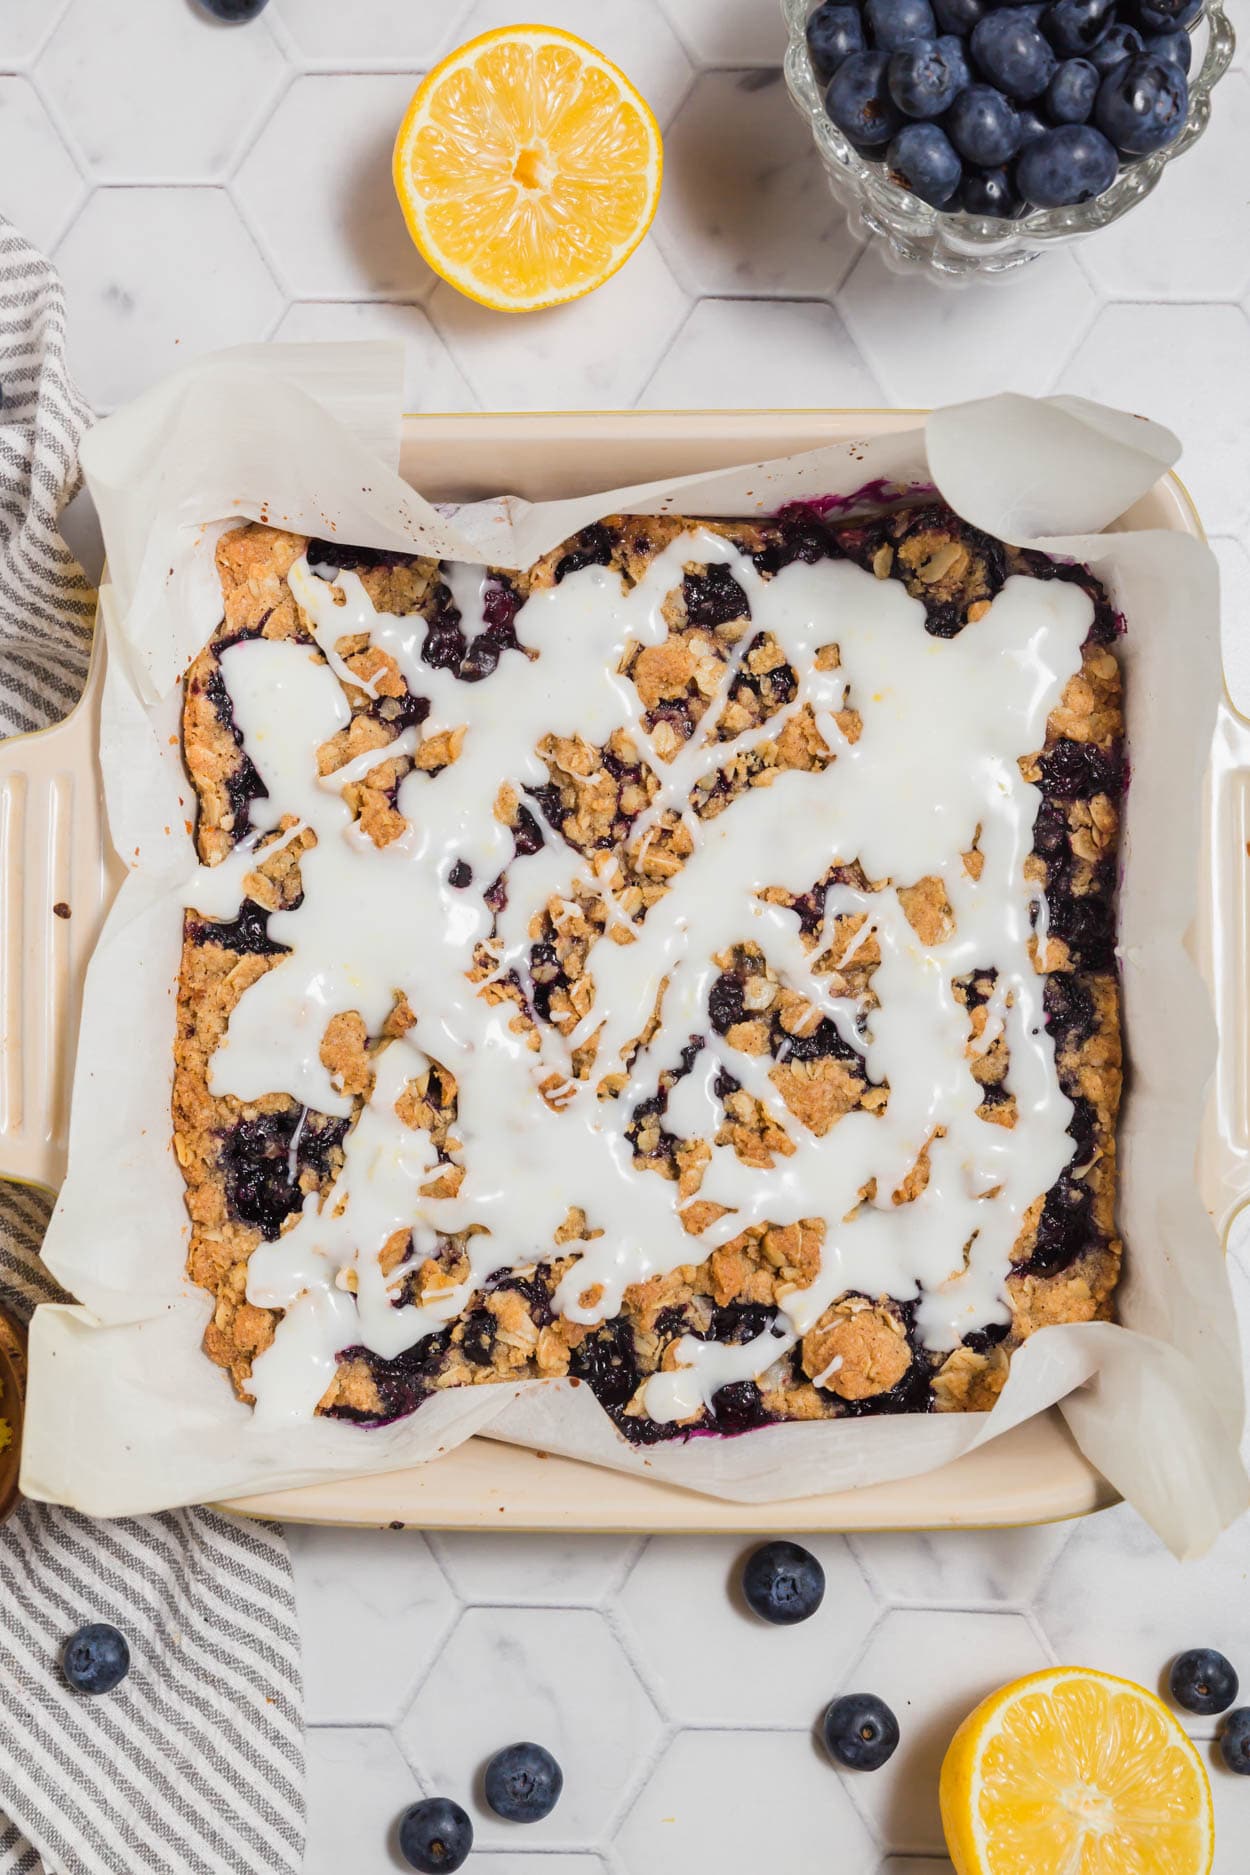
[[923, 158], [971, 135]]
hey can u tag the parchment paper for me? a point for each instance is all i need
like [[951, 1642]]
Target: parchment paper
[[127, 1414]]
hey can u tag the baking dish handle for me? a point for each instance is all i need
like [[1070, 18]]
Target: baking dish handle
[[57, 875], [1224, 954]]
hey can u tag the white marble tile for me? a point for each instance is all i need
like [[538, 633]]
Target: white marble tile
[[30, 146], [959, 1568], [788, 353], [131, 321], [121, 72], [931, 1669], [1235, 616], [565, 1571], [1188, 367], [1189, 240], [596, 353], [24, 25], [746, 208], [931, 343], [730, 32], [432, 380], [741, 1802], [556, 1676], [1231, 1802], [1118, 1601], [369, 32], [490, 1863], [710, 1661], [316, 186], [358, 1787], [634, 34], [374, 1609]]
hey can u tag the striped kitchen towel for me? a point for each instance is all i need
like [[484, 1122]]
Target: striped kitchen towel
[[195, 1764]]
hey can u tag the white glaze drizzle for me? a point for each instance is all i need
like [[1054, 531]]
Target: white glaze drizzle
[[933, 770]]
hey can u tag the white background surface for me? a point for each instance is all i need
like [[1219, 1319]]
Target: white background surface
[[200, 186]]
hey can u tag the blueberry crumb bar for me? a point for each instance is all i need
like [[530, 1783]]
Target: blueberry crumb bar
[[686, 966]]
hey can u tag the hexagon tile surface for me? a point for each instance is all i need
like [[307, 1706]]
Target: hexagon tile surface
[[203, 185]]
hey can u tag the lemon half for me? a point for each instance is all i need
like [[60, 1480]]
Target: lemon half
[[528, 168], [1071, 1772]]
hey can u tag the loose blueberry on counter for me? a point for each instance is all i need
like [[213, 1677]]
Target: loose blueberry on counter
[[1235, 1741], [1120, 43], [783, 1583], [523, 1783], [861, 1732], [1071, 164], [984, 127], [892, 23], [1202, 1680], [234, 12], [923, 159], [858, 99], [923, 76], [1073, 26], [989, 192], [1173, 48], [96, 1658], [1071, 92], [434, 1836], [1013, 54], [1165, 16], [1142, 105], [833, 33]]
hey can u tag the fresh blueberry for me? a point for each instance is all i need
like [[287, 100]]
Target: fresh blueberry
[[1121, 42], [923, 159], [1073, 26], [989, 192], [833, 33], [1031, 127], [893, 22], [1071, 164], [523, 1783], [955, 52], [860, 1732], [1071, 92], [1013, 54], [435, 1835], [984, 127], [858, 100], [1235, 1740], [96, 1658], [923, 78], [234, 12], [1142, 105], [1165, 16], [1173, 48], [1203, 1681], [959, 16], [783, 1583]]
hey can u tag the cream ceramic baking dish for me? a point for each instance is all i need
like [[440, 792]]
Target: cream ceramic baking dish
[[58, 876]]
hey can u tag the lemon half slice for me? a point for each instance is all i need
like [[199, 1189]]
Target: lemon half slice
[[1071, 1772], [528, 168]]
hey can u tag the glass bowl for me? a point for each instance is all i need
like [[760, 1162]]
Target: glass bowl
[[954, 245]]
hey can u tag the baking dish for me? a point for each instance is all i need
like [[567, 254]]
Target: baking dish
[[1032, 1474]]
